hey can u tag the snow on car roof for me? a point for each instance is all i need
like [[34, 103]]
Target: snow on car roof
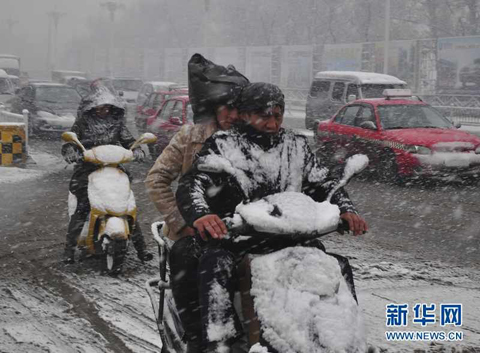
[[361, 77], [51, 84], [158, 84], [391, 101]]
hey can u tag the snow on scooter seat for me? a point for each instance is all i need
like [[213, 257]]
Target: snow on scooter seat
[[109, 154], [304, 303], [290, 213]]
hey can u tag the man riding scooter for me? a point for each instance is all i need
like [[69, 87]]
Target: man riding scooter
[[101, 123], [245, 164]]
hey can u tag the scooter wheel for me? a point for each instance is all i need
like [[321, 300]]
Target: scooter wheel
[[115, 256]]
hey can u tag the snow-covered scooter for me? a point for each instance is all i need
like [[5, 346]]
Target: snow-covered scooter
[[303, 302], [109, 226]]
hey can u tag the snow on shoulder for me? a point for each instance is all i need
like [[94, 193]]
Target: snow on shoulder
[[290, 213]]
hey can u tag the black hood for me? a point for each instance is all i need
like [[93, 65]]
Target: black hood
[[102, 96], [211, 85]]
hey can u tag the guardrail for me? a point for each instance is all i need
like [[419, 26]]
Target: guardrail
[[13, 136]]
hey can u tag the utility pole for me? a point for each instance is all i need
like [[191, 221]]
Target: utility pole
[[387, 37], [53, 19], [112, 7], [10, 23]]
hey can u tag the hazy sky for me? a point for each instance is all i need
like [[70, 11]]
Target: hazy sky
[[30, 33]]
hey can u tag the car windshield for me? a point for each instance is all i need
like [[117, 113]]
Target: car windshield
[[376, 91], [4, 86], [411, 116], [65, 97], [127, 85]]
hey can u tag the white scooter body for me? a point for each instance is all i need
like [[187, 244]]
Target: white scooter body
[[112, 201], [302, 300]]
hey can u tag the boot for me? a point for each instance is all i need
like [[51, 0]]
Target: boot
[[139, 244], [144, 255], [69, 255]]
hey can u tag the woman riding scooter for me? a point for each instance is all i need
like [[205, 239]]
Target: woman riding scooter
[[101, 123]]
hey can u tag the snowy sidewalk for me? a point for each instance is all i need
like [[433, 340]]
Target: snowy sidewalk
[[42, 163]]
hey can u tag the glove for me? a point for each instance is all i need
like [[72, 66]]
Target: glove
[[72, 155], [138, 155]]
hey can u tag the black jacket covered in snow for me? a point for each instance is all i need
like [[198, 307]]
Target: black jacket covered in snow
[[93, 130], [243, 165]]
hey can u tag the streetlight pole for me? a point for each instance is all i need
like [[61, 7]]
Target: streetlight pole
[[387, 37], [54, 18], [10, 23], [112, 7]]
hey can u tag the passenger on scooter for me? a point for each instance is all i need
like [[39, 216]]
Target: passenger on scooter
[[247, 163], [214, 109], [101, 123]]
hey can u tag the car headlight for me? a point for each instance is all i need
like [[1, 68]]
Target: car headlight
[[418, 149], [477, 151]]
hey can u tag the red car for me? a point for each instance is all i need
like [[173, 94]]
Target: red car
[[152, 104], [175, 112], [403, 138]]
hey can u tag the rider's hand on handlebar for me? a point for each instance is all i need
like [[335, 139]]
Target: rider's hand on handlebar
[[210, 224], [356, 224], [138, 155], [72, 156]]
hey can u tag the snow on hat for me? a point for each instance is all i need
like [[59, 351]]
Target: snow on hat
[[259, 96]]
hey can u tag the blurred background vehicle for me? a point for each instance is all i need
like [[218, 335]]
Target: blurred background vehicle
[[330, 90], [154, 86], [152, 104], [7, 88], [129, 86], [175, 112], [62, 76], [52, 106], [10, 64], [403, 138]]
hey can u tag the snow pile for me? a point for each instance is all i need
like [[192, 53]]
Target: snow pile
[[258, 348], [290, 212], [13, 174], [109, 191], [109, 154], [305, 304], [220, 326]]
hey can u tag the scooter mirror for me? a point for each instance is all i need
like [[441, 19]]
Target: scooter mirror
[[147, 137], [354, 165], [69, 136]]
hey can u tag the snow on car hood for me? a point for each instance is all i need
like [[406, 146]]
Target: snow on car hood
[[62, 119], [432, 138]]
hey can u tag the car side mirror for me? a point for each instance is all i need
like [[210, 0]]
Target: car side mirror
[[457, 125], [175, 120], [370, 125], [120, 93], [17, 90]]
